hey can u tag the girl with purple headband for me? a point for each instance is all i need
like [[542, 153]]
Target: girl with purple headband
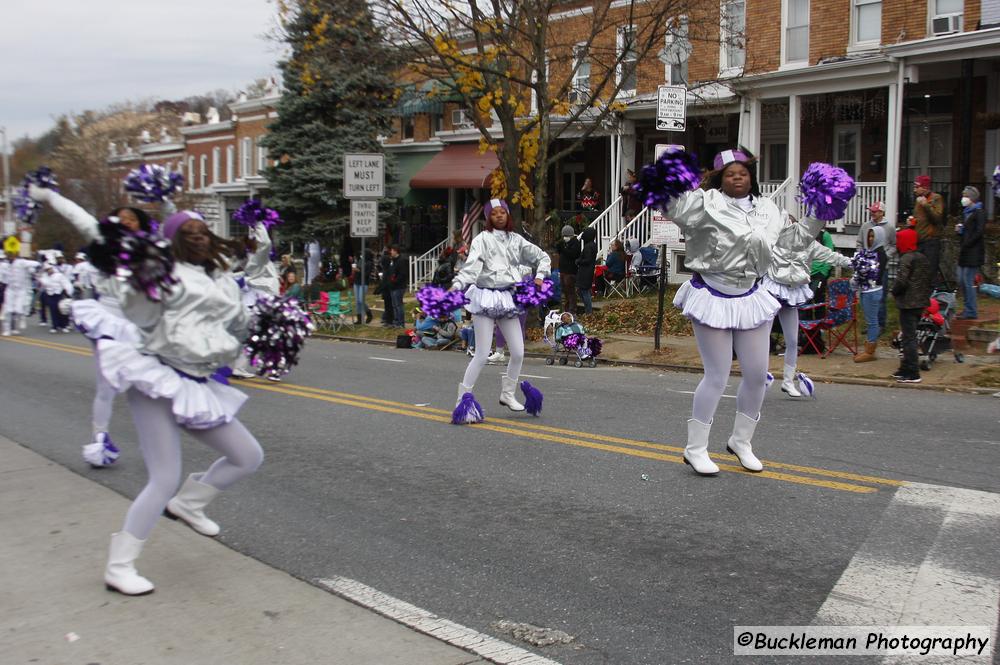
[[494, 265], [731, 233]]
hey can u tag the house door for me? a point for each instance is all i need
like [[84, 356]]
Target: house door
[[572, 181]]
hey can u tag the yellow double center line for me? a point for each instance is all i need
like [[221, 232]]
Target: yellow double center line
[[816, 477]]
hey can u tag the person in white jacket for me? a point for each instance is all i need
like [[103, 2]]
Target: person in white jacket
[[730, 233], [788, 281], [54, 286], [495, 264], [17, 294]]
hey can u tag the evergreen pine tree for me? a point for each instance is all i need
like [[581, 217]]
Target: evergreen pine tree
[[338, 98]]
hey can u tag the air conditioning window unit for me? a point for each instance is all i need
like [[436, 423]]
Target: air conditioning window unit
[[460, 119], [944, 25]]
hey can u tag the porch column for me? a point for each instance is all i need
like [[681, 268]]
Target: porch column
[[893, 141], [794, 146], [749, 134], [453, 206], [991, 147]]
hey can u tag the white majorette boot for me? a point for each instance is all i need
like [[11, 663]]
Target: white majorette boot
[[462, 389], [739, 442], [696, 451], [189, 505], [120, 575], [507, 396], [788, 383]]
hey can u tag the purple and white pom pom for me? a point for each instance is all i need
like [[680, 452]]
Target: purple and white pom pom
[[529, 294], [43, 178], [532, 398], [142, 259], [439, 303], [25, 208], [768, 380], [806, 385], [594, 344], [996, 182], [278, 331], [866, 271], [102, 452], [468, 411], [666, 179], [825, 191], [152, 183], [253, 212], [574, 341]]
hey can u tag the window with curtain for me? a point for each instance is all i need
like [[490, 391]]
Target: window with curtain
[[733, 28], [626, 75], [678, 50], [230, 163], [203, 172], [867, 21], [581, 77], [797, 31], [216, 165]]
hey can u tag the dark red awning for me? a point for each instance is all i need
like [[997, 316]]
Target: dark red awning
[[459, 166]]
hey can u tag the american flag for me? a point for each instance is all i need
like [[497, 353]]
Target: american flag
[[473, 209]]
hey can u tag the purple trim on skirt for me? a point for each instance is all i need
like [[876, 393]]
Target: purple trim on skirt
[[698, 283]]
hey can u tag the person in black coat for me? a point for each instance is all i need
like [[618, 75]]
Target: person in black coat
[[972, 249], [585, 266], [385, 286], [398, 270], [569, 251]]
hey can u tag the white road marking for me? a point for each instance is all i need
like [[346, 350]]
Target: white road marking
[[388, 360], [423, 621], [931, 560], [535, 376], [691, 392]]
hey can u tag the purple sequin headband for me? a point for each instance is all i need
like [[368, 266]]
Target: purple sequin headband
[[728, 157]]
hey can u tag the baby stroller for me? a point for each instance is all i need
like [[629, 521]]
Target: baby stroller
[[560, 351], [934, 330]]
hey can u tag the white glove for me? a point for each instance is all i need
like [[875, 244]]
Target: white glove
[[40, 194]]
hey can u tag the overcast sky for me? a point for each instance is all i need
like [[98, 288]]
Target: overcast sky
[[60, 56]]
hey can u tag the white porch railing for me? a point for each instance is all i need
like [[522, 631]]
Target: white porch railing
[[640, 227], [422, 267], [607, 225], [857, 209]]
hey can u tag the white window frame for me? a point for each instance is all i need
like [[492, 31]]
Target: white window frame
[[580, 87], [246, 156], [860, 44], [932, 14], [190, 172], [769, 164], [683, 32], [261, 159], [203, 172], [620, 68], [724, 46], [785, 27], [533, 108], [230, 163], [856, 128], [216, 164]]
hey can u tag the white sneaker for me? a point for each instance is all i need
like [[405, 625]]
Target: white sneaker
[[470, 352], [243, 374], [52, 331], [5, 333], [496, 358]]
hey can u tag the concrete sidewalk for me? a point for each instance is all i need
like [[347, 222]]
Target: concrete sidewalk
[[212, 606]]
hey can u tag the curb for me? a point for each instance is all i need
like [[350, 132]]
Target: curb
[[697, 369]]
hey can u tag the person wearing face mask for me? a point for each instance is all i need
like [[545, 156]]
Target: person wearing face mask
[[972, 249], [100, 317], [495, 264], [731, 233]]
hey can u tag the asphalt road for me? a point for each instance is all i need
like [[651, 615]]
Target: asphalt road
[[582, 520]]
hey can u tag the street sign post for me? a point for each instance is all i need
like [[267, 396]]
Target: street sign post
[[671, 108], [364, 176]]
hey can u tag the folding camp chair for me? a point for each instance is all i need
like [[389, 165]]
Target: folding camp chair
[[839, 320], [332, 310]]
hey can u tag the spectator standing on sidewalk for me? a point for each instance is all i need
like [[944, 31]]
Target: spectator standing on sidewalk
[[585, 267], [385, 287], [912, 290], [569, 251], [398, 278], [872, 291], [928, 212], [972, 249], [877, 218]]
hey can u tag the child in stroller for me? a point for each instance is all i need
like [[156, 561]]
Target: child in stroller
[[934, 330], [565, 335]]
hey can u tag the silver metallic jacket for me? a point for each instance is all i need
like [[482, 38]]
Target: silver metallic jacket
[[260, 272], [496, 260], [198, 327], [732, 247], [793, 265]]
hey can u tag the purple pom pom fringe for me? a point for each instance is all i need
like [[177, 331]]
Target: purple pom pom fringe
[[142, 259], [666, 179], [574, 341], [278, 332], [595, 345], [532, 398], [439, 303], [152, 183], [528, 294], [866, 272], [25, 208], [825, 191], [252, 212], [468, 411]]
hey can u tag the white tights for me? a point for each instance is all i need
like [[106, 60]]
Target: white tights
[[160, 443], [789, 318], [483, 325], [716, 348], [104, 398]]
